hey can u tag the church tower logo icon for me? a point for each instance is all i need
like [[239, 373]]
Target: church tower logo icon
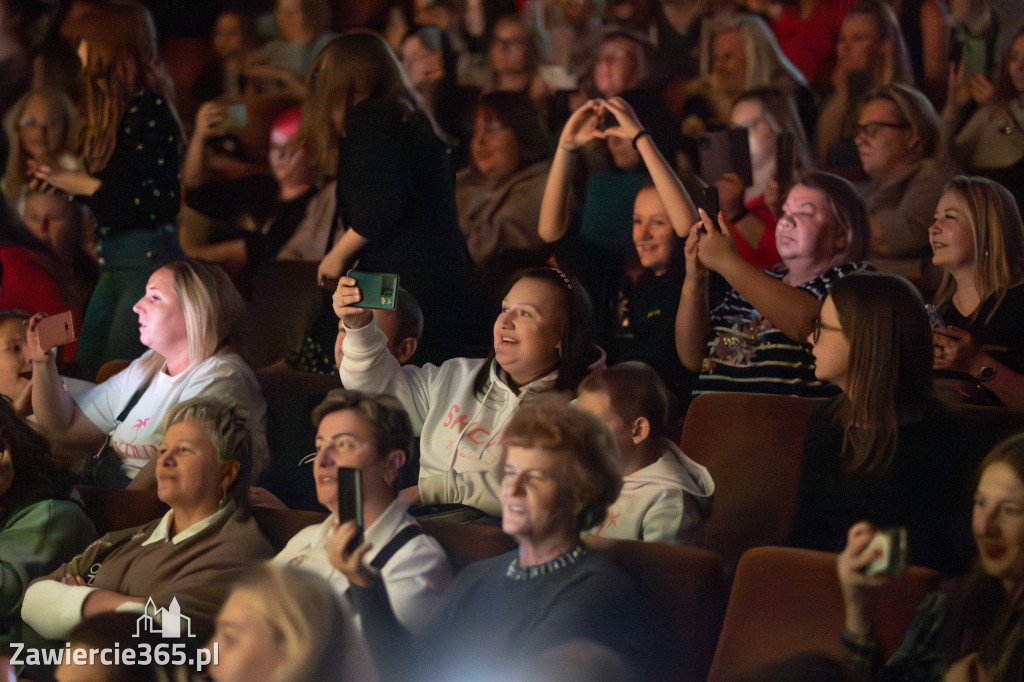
[[167, 623]]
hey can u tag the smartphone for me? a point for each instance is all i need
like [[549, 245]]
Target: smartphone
[[379, 289], [709, 202], [784, 161], [725, 151], [237, 118], [350, 502], [56, 330], [893, 559]]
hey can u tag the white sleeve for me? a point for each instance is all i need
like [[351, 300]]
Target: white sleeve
[[368, 366], [52, 608], [478, 489]]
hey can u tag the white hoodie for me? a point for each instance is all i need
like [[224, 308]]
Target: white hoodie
[[458, 410], [667, 501]]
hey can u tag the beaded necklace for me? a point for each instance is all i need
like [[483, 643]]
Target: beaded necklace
[[515, 572]]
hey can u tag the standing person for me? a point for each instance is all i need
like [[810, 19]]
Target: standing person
[[395, 192], [131, 147]]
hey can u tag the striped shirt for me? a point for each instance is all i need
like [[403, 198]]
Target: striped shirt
[[748, 354]]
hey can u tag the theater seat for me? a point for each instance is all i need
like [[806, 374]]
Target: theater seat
[[111, 509], [686, 590], [752, 445], [786, 601]]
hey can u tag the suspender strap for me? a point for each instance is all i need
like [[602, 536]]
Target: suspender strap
[[397, 542]]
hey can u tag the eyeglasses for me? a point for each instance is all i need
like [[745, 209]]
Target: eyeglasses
[[819, 326], [871, 128]]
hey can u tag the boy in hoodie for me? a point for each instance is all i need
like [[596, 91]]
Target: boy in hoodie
[[666, 496]]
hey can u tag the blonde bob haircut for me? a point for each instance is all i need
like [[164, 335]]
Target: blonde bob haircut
[[354, 66], [315, 637], [998, 242], [915, 111]]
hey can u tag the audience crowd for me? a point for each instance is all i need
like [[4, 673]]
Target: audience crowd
[[301, 203]]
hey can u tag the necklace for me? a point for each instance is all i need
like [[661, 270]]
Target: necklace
[[515, 572]]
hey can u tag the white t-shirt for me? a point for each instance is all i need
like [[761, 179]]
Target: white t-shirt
[[137, 438]]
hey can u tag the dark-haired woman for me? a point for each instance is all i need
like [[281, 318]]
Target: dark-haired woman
[[40, 526], [972, 628], [395, 192], [884, 450], [542, 343], [499, 195]]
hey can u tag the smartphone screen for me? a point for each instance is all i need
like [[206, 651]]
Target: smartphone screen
[[350, 501]]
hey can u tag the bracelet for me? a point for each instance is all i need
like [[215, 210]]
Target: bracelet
[[636, 138]]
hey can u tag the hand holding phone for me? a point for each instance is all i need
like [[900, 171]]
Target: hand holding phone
[[709, 202], [892, 561], [350, 502], [56, 330], [379, 289]]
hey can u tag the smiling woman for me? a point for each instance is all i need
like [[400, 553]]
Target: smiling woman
[[971, 629], [542, 343]]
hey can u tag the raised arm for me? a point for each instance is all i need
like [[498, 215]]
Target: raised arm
[[678, 204], [693, 318], [791, 310], [55, 409], [579, 130]]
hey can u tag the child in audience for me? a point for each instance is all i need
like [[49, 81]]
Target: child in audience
[[666, 496]]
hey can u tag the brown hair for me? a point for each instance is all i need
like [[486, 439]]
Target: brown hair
[[590, 477]]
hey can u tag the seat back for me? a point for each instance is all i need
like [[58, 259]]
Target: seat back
[[686, 589], [468, 542], [284, 303], [752, 445], [111, 509], [786, 601], [279, 525]]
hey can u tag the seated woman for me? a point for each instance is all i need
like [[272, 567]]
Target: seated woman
[[515, 60], [191, 554], [260, 212], [559, 473], [499, 195], [284, 624], [371, 434], [41, 126], [542, 342], [41, 527], [766, 113], [884, 450], [902, 150], [184, 318], [753, 342], [978, 241], [870, 53], [991, 142], [970, 629], [739, 53]]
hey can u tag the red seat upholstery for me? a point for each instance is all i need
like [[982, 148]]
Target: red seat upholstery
[[752, 445], [786, 601]]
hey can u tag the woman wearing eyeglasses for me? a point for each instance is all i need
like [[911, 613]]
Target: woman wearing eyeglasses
[[885, 450], [902, 150], [753, 342]]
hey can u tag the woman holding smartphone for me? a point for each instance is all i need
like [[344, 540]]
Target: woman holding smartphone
[[395, 191], [973, 628]]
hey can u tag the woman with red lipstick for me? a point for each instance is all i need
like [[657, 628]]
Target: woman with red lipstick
[[972, 629], [978, 241]]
